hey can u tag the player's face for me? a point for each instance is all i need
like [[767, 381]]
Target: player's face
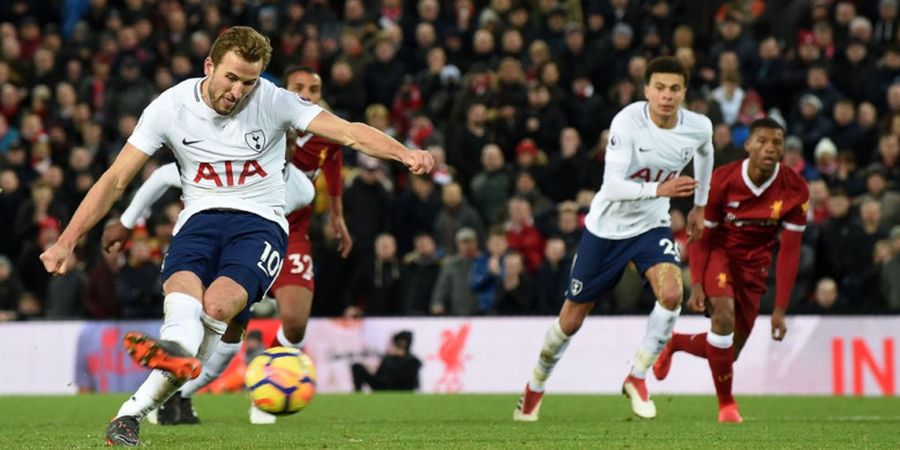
[[308, 85], [665, 92], [230, 81], [766, 147]]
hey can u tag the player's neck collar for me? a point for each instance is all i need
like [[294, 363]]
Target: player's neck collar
[[757, 190], [198, 104]]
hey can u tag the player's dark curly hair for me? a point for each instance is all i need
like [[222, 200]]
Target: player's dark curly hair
[[765, 122], [666, 64], [294, 68]]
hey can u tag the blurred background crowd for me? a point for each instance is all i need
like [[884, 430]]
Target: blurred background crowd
[[512, 97]]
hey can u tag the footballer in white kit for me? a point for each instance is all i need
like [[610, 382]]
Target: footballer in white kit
[[650, 142], [227, 131], [229, 166]]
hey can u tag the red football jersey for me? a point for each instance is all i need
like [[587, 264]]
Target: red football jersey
[[747, 218], [314, 154]]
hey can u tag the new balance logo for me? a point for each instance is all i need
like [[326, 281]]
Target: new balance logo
[[723, 378], [187, 142]]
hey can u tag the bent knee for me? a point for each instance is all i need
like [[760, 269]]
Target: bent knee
[[670, 289], [671, 299]]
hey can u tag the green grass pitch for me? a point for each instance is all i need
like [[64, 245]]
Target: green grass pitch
[[469, 421]]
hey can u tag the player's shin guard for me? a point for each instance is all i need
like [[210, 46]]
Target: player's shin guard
[[281, 339], [720, 353], [694, 344], [555, 344], [213, 367], [157, 388], [659, 330], [182, 321]]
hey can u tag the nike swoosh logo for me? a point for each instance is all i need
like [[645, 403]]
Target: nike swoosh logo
[[187, 142], [643, 149]]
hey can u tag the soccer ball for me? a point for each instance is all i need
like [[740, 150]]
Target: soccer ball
[[281, 380]]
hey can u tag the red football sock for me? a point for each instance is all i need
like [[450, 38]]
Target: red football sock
[[694, 344], [721, 362]]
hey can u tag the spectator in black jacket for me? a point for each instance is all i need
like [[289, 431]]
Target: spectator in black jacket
[[418, 275], [11, 290], [398, 370], [552, 277], [138, 286]]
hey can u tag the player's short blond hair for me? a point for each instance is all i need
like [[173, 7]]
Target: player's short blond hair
[[248, 43]]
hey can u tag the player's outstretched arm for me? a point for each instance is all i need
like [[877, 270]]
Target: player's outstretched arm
[[370, 141], [94, 207]]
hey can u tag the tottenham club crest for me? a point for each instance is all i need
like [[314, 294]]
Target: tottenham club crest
[[576, 287], [686, 154], [256, 140]]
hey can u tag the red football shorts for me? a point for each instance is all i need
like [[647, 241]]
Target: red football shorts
[[297, 268], [725, 278]]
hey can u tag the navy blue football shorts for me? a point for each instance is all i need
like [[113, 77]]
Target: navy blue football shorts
[[600, 263], [236, 244]]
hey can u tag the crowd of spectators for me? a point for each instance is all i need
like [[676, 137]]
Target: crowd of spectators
[[512, 97]]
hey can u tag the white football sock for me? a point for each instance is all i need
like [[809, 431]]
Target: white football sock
[[659, 330], [555, 344], [722, 341], [182, 321], [157, 388], [283, 340], [212, 333], [213, 367]]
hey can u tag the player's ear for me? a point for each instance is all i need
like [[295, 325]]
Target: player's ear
[[208, 66]]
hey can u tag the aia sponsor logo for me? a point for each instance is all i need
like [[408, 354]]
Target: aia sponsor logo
[[647, 175], [225, 174]]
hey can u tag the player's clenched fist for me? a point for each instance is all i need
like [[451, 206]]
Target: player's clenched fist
[[697, 302], [114, 236], [57, 259], [695, 223], [419, 162], [682, 186]]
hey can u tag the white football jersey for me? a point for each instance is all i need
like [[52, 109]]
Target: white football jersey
[[226, 162], [640, 156], [299, 192]]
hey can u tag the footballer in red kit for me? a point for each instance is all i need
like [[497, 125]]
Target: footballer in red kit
[[750, 203], [312, 155], [293, 289]]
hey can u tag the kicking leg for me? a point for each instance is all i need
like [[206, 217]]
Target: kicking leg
[[171, 357]]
